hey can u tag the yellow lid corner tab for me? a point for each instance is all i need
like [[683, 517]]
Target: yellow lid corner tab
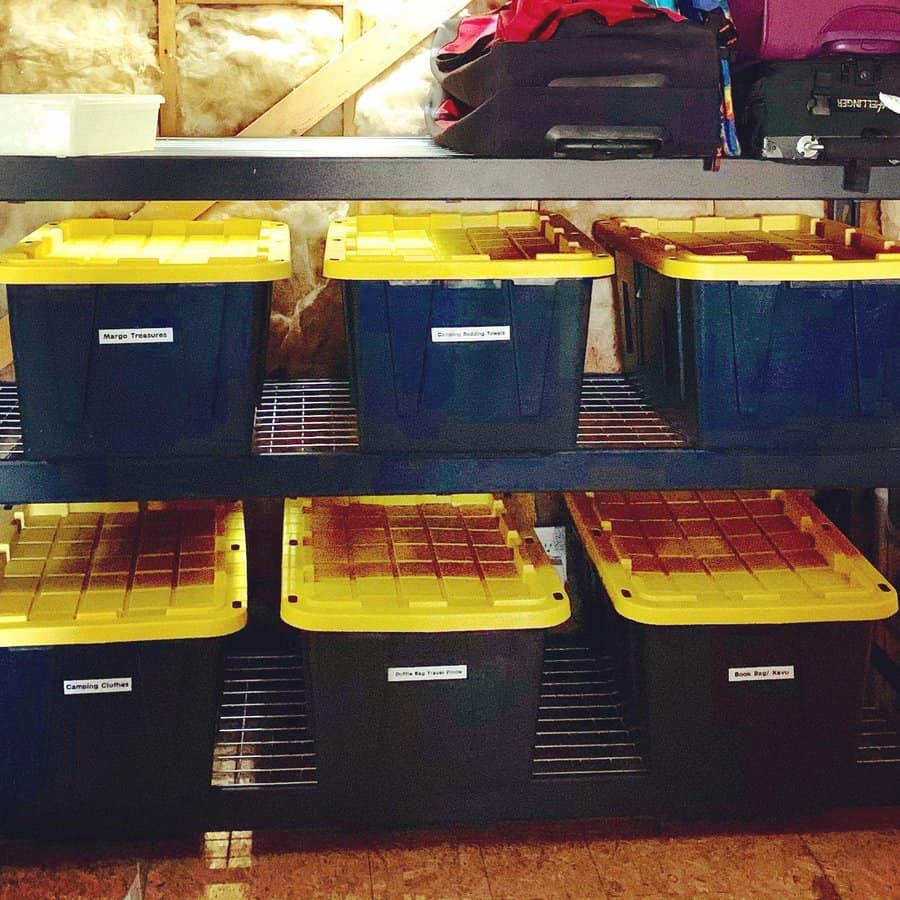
[[90, 573], [149, 251], [753, 248], [726, 558], [517, 244], [422, 563]]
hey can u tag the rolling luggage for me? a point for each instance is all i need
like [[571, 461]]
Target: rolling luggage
[[796, 29], [838, 109], [644, 87]]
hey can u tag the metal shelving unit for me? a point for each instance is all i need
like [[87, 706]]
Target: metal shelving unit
[[305, 435], [305, 443], [368, 168]]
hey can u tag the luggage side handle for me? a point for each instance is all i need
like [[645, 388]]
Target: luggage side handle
[[604, 142], [860, 28], [635, 80], [857, 45]]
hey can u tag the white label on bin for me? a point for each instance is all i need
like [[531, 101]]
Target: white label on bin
[[761, 673], [470, 334], [137, 335], [97, 686], [427, 673]]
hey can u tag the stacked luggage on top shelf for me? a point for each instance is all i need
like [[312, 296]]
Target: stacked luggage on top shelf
[[594, 79], [823, 82], [601, 79]]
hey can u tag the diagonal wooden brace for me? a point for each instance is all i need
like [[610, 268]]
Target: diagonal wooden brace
[[348, 73]]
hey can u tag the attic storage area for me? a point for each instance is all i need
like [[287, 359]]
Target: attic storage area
[[222, 69], [259, 73]]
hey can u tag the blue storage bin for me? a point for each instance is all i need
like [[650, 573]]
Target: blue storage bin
[[141, 337], [766, 333], [466, 333]]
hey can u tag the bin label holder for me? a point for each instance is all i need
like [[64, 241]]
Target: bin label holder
[[761, 673], [427, 673], [74, 686]]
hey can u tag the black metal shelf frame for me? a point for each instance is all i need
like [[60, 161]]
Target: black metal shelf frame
[[586, 761], [296, 452], [306, 443], [371, 168]]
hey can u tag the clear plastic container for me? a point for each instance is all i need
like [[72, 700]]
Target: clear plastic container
[[77, 124]]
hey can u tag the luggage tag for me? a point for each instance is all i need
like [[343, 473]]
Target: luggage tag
[[890, 101]]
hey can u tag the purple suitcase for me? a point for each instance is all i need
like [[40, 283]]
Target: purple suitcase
[[797, 29]]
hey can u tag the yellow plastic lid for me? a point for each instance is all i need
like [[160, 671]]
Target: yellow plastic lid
[[756, 248], [144, 251], [93, 573], [414, 563], [462, 246], [726, 558]]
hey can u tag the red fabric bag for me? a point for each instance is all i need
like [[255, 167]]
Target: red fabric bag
[[537, 20]]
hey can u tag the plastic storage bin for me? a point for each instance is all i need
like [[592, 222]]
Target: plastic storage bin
[[111, 619], [77, 124], [423, 620], [741, 622], [141, 337], [769, 331], [466, 332]]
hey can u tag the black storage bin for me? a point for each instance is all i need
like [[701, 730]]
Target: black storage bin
[[466, 333], [375, 735], [163, 354], [423, 623], [111, 626], [742, 700], [113, 754]]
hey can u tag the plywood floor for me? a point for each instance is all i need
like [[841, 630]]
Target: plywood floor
[[843, 854]]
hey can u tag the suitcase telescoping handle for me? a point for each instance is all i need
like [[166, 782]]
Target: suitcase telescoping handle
[[604, 142]]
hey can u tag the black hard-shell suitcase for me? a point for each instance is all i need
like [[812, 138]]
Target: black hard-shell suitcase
[[835, 109], [641, 88]]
